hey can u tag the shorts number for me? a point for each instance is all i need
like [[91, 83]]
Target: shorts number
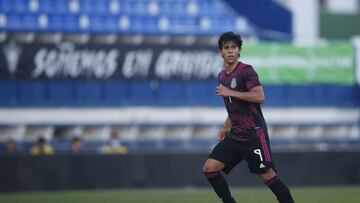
[[258, 152]]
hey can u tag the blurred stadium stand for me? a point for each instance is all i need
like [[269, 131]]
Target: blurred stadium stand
[[160, 17], [300, 116]]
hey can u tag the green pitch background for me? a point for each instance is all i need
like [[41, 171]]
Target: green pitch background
[[333, 194]]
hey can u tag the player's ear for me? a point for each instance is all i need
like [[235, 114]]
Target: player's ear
[[240, 51], [221, 54]]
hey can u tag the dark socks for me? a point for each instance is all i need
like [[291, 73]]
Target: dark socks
[[280, 190], [220, 186]]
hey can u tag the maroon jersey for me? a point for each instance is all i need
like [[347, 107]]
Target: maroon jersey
[[245, 116]]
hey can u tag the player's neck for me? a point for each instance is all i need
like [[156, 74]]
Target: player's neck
[[230, 67]]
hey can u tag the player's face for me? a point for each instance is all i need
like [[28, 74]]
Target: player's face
[[230, 52]]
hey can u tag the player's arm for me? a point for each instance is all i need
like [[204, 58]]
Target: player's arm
[[255, 94], [223, 132]]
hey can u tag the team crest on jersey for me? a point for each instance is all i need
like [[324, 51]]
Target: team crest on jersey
[[233, 83]]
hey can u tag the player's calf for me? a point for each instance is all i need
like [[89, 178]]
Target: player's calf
[[220, 186], [280, 190]]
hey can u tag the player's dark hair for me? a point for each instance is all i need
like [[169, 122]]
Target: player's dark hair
[[229, 36]]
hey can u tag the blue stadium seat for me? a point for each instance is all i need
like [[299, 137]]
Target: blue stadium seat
[[87, 7], [168, 8], [111, 24], [140, 7], [14, 22], [151, 25], [143, 24], [126, 8], [21, 6], [71, 23], [30, 22], [146, 16], [217, 25], [56, 23], [135, 24], [100, 7], [60, 6], [97, 24], [47, 6], [183, 25], [104, 24], [6, 6]]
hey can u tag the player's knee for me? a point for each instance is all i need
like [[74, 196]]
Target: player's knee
[[268, 175], [208, 168], [211, 166]]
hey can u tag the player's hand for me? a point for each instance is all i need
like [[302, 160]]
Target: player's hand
[[222, 134], [223, 91]]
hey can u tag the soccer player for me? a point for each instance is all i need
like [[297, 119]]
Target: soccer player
[[244, 135]]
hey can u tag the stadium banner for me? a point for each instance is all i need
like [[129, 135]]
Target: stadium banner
[[276, 63]]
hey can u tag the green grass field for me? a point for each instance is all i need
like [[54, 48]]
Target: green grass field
[[338, 194]]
